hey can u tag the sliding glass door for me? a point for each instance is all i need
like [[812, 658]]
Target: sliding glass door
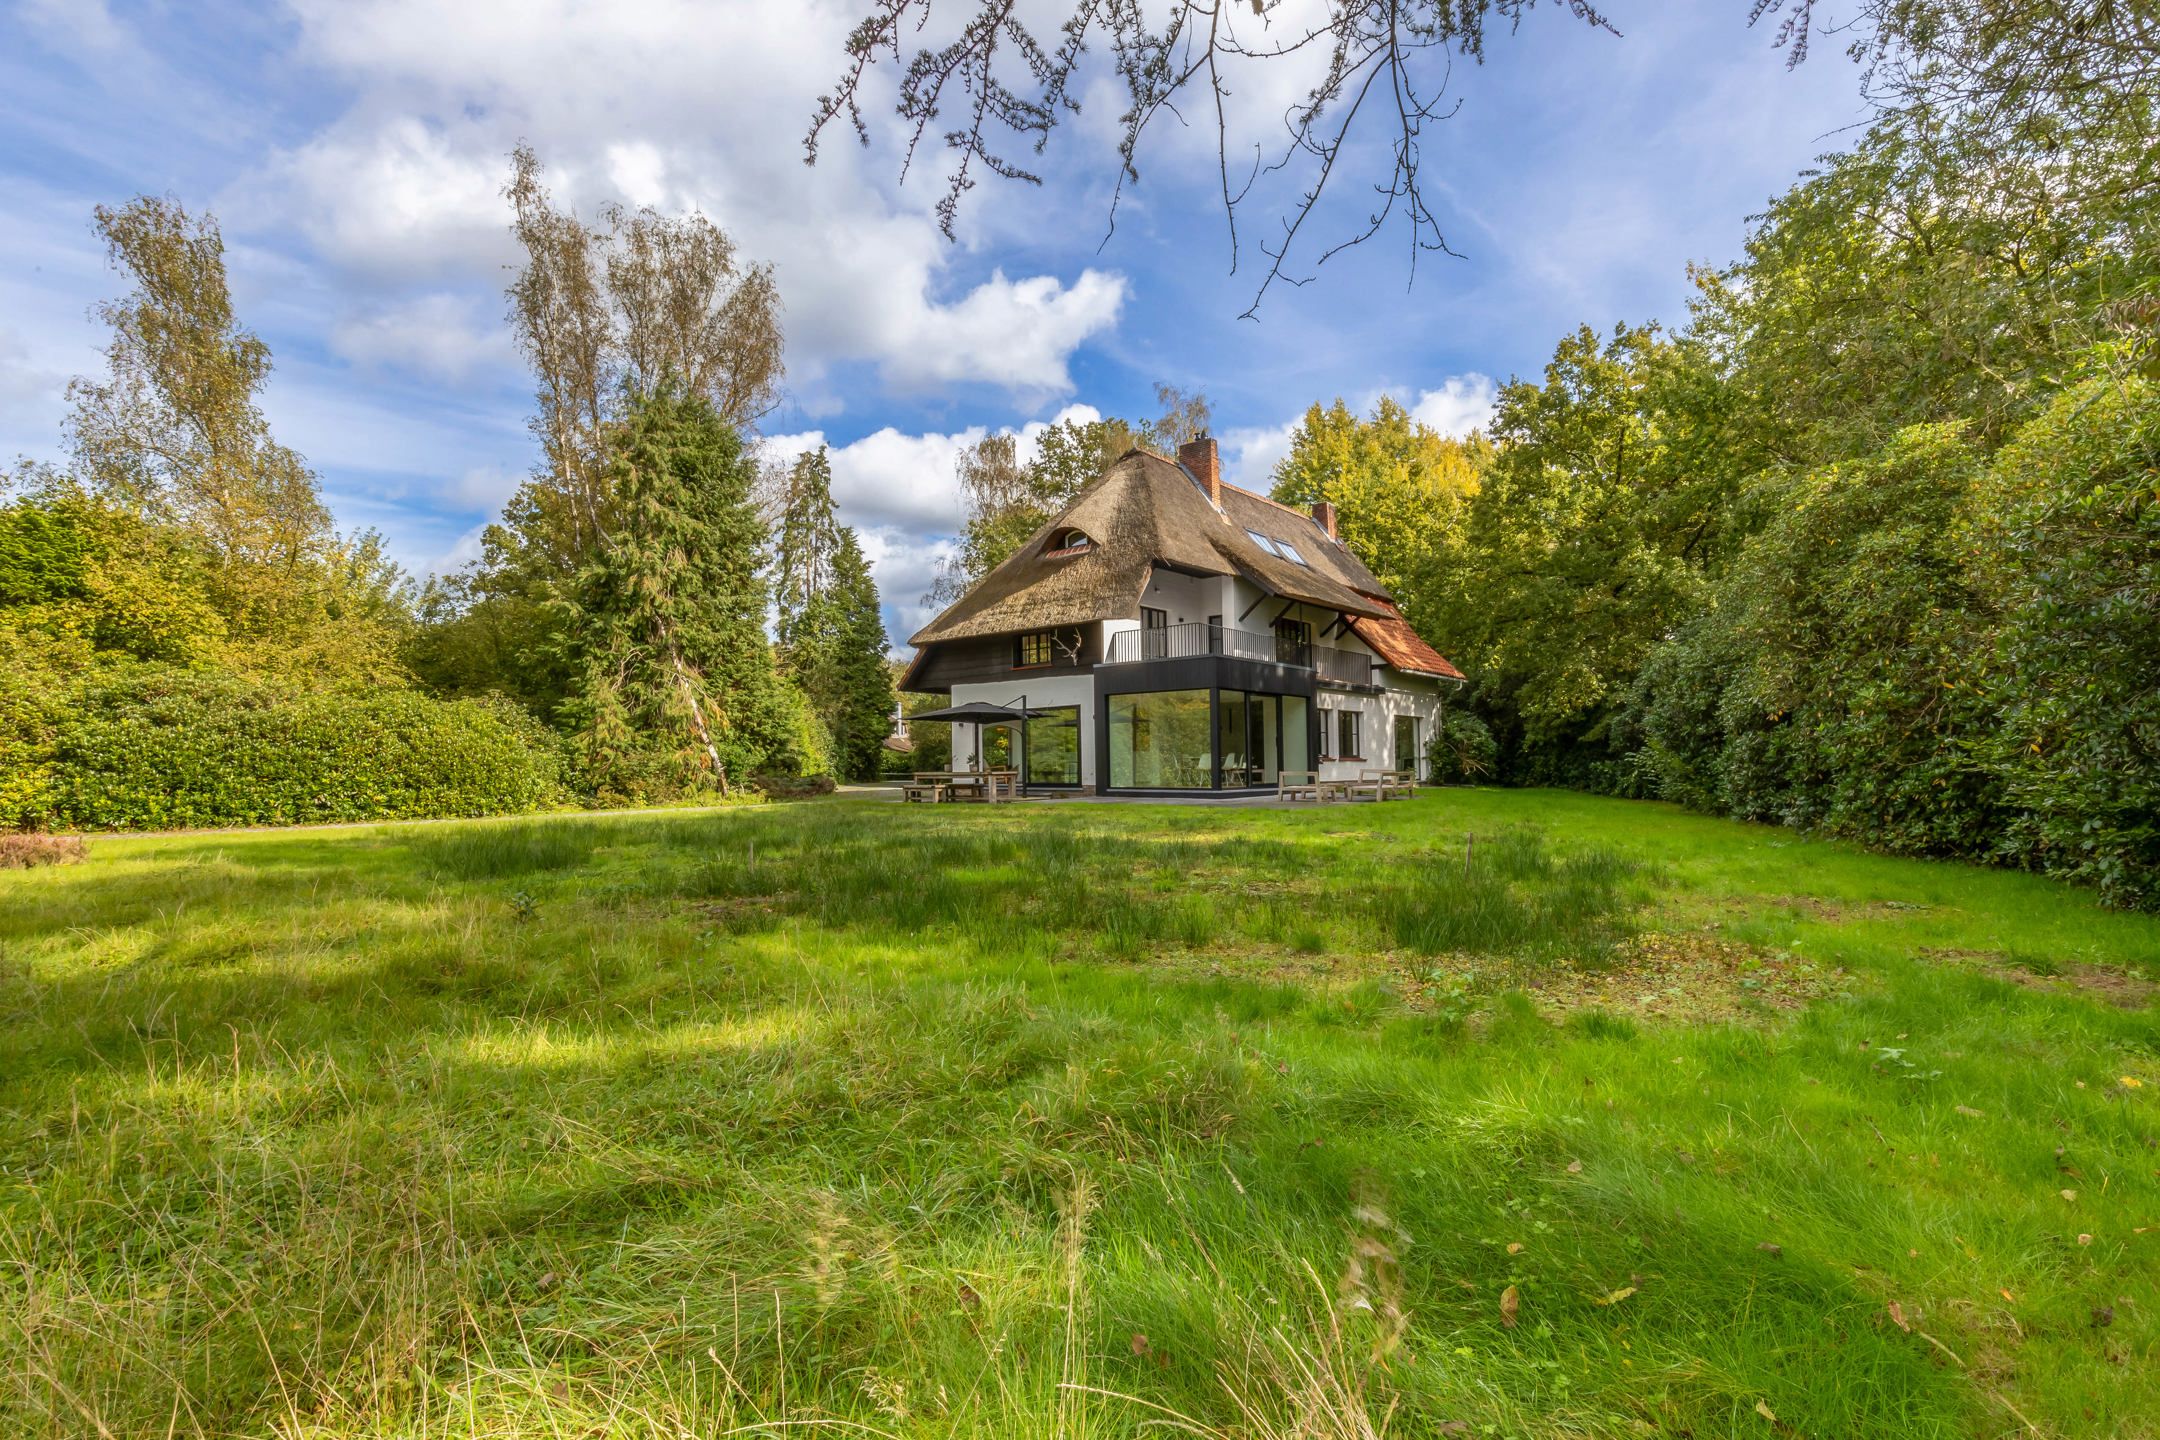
[[1160, 741], [1178, 740], [1053, 746], [1248, 738]]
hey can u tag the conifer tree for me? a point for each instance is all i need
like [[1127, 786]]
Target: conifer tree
[[809, 535], [857, 702], [674, 685], [836, 653]]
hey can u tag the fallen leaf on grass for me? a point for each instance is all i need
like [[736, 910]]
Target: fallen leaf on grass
[[2130, 1082], [1510, 1302], [1514, 1247], [2069, 1194], [1574, 1167], [1968, 1110], [1617, 1296], [1762, 1408], [1771, 1248], [1139, 1343], [969, 1300], [2007, 1296], [2084, 1239], [1897, 1316]]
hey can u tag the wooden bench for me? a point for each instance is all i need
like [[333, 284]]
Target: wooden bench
[[1404, 781], [1299, 785], [1374, 781], [917, 791]]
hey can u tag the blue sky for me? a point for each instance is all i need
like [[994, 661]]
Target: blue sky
[[354, 151]]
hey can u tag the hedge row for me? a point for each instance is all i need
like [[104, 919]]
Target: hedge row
[[177, 749]]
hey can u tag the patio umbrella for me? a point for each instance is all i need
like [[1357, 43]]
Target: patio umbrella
[[980, 712]]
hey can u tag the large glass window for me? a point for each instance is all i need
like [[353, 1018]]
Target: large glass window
[[1053, 746], [1346, 737], [1233, 712], [1295, 753], [1161, 741], [1246, 737]]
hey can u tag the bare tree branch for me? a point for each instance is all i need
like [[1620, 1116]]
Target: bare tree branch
[[1014, 90]]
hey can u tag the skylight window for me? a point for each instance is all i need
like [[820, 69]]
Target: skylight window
[[1263, 542], [1289, 552]]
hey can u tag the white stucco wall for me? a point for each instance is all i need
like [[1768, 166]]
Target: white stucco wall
[[1188, 599], [1404, 695], [1041, 691]]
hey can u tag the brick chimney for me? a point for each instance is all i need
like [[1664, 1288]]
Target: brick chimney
[[1323, 514], [1199, 457]]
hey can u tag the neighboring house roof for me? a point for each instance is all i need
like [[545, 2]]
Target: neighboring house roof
[[1145, 512], [1400, 647]]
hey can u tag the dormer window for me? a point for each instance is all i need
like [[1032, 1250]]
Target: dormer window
[[1069, 542]]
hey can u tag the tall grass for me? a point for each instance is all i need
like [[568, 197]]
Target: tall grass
[[863, 1119], [1508, 895]]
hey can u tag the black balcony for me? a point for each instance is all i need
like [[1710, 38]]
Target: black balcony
[[1192, 640]]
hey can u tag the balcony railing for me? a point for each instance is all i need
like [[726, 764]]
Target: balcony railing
[[1187, 641], [1342, 667]]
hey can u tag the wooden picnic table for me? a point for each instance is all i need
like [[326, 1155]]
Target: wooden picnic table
[[990, 786]]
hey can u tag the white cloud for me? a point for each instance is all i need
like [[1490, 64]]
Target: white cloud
[[1017, 333], [459, 555], [1254, 452], [1462, 404], [391, 198], [900, 493], [85, 28], [888, 479], [442, 336], [486, 487], [904, 565], [682, 106]]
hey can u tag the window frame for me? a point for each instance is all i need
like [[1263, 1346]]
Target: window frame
[[1325, 717], [1021, 643], [1266, 543], [1350, 740], [1053, 716], [1290, 552]]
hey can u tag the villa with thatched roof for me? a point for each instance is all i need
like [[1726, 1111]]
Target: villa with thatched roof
[[1169, 632]]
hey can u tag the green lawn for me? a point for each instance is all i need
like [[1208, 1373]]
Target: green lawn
[[854, 1118]]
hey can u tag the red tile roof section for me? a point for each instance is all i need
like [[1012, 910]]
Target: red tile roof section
[[1398, 645]]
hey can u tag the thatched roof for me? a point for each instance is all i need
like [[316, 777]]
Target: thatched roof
[[1144, 512]]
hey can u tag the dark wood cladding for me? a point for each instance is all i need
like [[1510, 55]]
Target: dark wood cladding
[[989, 659]]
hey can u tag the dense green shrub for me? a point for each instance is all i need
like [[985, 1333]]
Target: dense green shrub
[[155, 748], [2064, 532], [1464, 752], [1834, 682]]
